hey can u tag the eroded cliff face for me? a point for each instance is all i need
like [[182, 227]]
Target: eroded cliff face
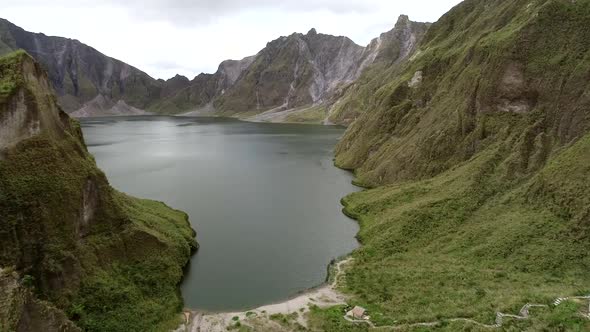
[[21, 310], [65, 234], [79, 73], [388, 53], [294, 71]]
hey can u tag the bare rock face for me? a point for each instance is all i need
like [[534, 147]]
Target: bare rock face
[[385, 56], [18, 120], [198, 95], [78, 73], [513, 95], [294, 71], [290, 73]]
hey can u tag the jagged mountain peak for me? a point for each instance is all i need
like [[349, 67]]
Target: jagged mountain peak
[[403, 19], [178, 77], [290, 72]]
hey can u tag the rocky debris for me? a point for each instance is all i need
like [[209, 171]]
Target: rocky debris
[[416, 80], [513, 94], [103, 106]]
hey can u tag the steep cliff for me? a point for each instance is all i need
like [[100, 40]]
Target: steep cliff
[[294, 71], [478, 152], [80, 74], [388, 53], [72, 249]]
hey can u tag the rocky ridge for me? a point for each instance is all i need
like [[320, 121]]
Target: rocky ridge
[[296, 78]]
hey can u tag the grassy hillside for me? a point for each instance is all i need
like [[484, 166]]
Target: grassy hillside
[[109, 261], [478, 151], [487, 71]]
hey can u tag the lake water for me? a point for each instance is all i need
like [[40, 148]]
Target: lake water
[[264, 199]]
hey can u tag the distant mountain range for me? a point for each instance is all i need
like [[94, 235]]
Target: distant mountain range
[[297, 78]]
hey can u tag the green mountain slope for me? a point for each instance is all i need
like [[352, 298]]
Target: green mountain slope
[[478, 152], [485, 70], [70, 245]]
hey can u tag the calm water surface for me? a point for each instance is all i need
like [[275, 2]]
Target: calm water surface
[[264, 199]]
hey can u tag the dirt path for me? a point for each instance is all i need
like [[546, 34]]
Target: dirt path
[[523, 314]]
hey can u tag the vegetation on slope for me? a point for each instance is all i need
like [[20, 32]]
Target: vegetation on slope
[[394, 47], [470, 242], [110, 261], [482, 196], [478, 62]]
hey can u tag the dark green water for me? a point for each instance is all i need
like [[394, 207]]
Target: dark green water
[[264, 199]]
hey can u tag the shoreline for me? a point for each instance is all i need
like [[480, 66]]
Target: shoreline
[[209, 116], [325, 295]]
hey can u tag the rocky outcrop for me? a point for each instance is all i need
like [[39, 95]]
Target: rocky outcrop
[[387, 54], [20, 118], [65, 234], [21, 311]]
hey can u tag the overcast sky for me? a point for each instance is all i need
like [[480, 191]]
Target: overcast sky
[[166, 37]]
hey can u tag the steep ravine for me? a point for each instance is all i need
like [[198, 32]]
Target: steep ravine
[[74, 252]]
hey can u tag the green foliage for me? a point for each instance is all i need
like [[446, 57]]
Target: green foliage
[[315, 114], [112, 262], [332, 320], [10, 78], [479, 62], [28, 281], [481, 200]]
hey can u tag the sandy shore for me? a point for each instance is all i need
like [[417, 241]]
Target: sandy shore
[[260, 318]]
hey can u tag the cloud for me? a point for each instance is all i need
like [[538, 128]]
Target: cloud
[[196, 12], [199, 12]]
